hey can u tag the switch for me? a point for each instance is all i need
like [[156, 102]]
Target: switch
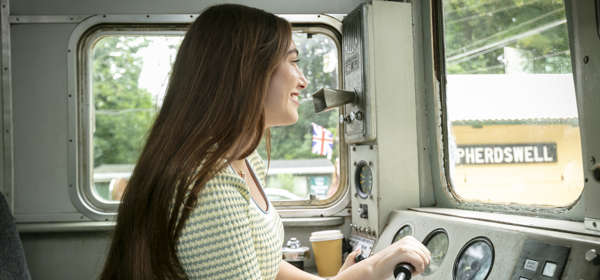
[[592, 256], [363, 211], [531, 265], [549, 269]]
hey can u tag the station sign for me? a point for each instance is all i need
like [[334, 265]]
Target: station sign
[[506, 153]]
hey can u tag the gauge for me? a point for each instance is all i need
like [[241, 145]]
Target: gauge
[[363, 179], [437, 243], [475, 260], [404, 231]]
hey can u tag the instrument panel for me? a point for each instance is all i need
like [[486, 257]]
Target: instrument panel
[[469, 245]]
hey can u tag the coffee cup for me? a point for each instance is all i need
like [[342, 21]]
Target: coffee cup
[[327, 248]]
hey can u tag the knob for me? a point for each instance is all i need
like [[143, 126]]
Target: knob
[[403, 271], [293, 243], [359, 115], [592, 256], [352, 116]]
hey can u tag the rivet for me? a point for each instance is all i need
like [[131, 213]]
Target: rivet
[[586, 59]]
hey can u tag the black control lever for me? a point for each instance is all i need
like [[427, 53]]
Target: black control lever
[[403, 271], [358, 258]]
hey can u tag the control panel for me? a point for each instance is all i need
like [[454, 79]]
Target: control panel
[[467, 245], [363, 241], [364, 191], [541, 260]]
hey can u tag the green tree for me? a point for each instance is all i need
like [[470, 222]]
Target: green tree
[[123, 110], [476, 31]]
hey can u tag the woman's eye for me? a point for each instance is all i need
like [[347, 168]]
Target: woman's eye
[[296, 60]]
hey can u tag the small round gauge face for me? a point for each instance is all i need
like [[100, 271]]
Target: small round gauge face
[[404, 231], [475, 260], [437, 243], [363, 179]]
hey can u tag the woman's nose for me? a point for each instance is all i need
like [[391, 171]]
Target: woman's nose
[[303, 82]]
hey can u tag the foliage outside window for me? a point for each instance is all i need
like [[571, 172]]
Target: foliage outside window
[[512, 122], [129, 78]]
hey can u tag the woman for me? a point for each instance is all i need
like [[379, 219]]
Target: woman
[[194, 207]]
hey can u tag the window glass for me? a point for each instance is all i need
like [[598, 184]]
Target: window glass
[[129, 79], [512, 122], [305, 157]]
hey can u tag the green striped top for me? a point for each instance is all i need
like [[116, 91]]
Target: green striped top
[[228, 236]]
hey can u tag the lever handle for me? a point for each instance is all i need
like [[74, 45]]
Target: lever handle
[[403, 271], [325, 99]]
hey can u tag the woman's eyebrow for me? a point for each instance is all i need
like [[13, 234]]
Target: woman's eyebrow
[[293, 51]]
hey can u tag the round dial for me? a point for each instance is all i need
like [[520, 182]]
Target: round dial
[[437, 243], [405, 230], [363, 179], [475, 260]]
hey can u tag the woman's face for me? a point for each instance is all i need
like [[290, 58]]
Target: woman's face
[[281, 105]]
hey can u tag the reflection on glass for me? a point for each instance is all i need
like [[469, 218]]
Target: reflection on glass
[[512, 122], [404, 231], [437, 243], [475, 262]]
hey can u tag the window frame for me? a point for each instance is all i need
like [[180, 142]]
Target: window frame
[[444, 192], [81, 117]]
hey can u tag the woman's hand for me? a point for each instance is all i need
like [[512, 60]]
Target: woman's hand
[[350, 260], [405, 250], [382, 264]]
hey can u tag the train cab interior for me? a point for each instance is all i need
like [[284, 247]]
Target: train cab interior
[[469, 125]]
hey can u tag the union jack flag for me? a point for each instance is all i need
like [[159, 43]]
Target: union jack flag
[[322, 141]]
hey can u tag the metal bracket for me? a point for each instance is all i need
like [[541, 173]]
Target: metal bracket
[[7, 110]]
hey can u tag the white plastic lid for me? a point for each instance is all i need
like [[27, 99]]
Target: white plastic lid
[[326, 235]]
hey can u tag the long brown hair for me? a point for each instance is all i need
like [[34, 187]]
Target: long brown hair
[[213, 112]]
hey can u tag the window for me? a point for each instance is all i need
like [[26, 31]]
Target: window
[[129, 77], [512, 133], [305, 157], [129, 73]]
